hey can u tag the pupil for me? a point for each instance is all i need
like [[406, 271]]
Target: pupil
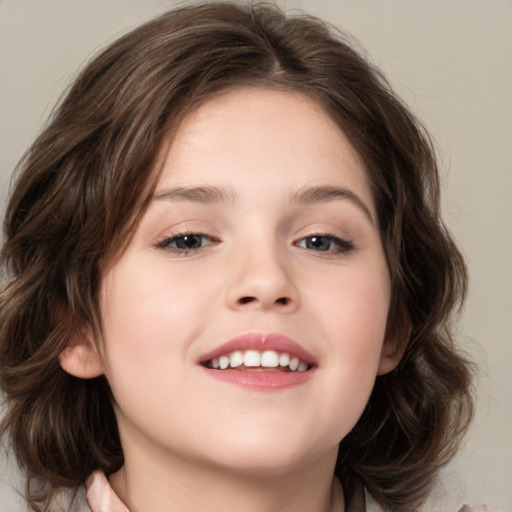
[[188, 242], [319, 243]]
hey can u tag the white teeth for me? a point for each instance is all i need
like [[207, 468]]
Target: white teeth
[[294, 364], [236, 359], [223, 362], [284, 359], [252, 358], [302, 367], [270, 359]]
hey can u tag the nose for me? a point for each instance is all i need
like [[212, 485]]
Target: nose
[[262, 280]]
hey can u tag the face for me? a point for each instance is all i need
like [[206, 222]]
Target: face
[[261, 252]]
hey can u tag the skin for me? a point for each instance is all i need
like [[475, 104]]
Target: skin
[[191, 442]]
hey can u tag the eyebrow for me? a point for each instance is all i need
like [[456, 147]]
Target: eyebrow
[[203, 194], [309, 195], [324, 194]]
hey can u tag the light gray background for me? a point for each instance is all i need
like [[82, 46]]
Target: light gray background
[[450, 60]]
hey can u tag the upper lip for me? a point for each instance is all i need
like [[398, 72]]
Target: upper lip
[[261, 341]]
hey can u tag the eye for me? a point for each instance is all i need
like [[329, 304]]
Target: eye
[[186, 242], [326, 243]]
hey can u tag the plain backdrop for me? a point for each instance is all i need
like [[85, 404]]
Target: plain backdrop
[[451, 60]]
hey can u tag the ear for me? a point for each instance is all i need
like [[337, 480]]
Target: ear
[[389, 359], [80, 357], [391, 355]]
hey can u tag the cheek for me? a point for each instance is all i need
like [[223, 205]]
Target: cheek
[[355, 333], [354, 310], [145, 335], [356, 305], [151, 317], [145, 309]]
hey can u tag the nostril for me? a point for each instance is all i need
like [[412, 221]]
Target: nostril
[[248, 299]]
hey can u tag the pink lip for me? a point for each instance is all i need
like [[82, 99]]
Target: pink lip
[[256, 379], [261, 341]]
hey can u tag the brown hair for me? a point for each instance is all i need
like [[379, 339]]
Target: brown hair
[[83, 185]]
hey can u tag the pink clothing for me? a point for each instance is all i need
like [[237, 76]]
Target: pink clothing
[[100, 496]]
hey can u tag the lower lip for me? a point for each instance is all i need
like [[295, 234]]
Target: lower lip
[[261, 380]]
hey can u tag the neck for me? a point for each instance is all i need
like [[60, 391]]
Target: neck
[[187, 487]]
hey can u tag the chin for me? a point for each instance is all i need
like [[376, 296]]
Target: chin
[[261, 466], [269, 457]]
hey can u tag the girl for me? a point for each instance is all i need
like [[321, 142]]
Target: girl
[[228, 283]]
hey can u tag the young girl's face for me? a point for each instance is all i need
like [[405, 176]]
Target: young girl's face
[[260, 247]]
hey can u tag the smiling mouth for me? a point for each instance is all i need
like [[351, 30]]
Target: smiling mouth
[[255, 360]]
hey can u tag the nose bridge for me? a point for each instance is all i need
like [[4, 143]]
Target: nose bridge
[[261, 277]]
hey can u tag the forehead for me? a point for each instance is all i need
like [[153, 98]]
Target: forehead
[[256, 136]]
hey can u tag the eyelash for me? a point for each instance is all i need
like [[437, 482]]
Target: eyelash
[[341, 245], [165, 244]]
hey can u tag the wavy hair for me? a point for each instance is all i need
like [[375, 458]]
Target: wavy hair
[[83, 185]]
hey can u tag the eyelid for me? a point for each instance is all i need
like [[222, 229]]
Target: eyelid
[[164, 243], [344, 245]]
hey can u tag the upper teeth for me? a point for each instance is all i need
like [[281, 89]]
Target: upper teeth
[[254, 358]]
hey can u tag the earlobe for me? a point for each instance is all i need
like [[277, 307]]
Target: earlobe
[[396, 340], [390, 356], [80, 358], [388, 361]]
